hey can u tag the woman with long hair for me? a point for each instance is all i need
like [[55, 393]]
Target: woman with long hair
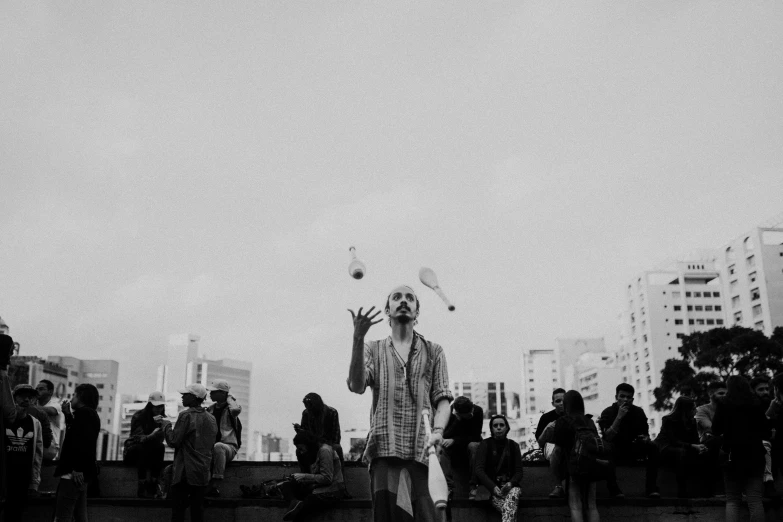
[[741, 420], [499, 468], [77, 466], [581, 488], [145, 447]]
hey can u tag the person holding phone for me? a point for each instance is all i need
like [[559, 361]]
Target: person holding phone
[[625, 426]]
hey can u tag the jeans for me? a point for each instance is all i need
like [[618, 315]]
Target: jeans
[[639, 449], [222, 454], [71, 504], [581, 500], [448, 455], [183, 495], [749, 478]]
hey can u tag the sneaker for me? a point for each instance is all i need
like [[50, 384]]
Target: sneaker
[[473, 493], [653, 494], [558, 492], [293, 512], [769, 490]]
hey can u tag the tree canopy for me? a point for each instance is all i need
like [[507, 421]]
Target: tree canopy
[[714, 355]]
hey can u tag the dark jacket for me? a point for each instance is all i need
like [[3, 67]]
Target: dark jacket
[[464, 432], [544, 421], [329, 432], [632, 426], [509, 463], [674, 434], [142, 425], [565, 431], [743, 427], [78, 449]]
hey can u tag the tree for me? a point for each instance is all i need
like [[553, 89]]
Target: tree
[[715, 355], [357, 449]]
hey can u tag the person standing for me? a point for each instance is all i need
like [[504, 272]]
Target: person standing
[[23, 440], [499, 468], [625, 426], [544, 434], [226, 411], [8, 414], [53, 409], [741, 420], [760, 386], [192, 437], [145, 447], [406, 374], [581, 487], [76, 467]]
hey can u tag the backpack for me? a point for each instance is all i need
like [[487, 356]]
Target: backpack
[[589, 457]]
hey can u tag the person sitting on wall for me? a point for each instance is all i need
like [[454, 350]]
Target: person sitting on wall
[[625, 426], [323, 486], [145, 447], [544, 437], [461, 440], [680, 447], [499, 468], [229, 436], [760, 386]]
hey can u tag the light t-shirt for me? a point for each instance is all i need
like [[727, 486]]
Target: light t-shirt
[[58, 428]]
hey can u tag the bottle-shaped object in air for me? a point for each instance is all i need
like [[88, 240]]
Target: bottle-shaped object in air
[[356, 269]]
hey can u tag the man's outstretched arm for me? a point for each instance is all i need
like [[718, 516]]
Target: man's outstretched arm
[[357, 377]]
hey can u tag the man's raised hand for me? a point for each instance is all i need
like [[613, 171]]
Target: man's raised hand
[[362, 323]]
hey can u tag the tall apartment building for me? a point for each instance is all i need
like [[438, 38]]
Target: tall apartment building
[[569, 352], [662, 306], [103, 375], [493, 397], [752, 273], [540, 375], [596, 376], [178, 370]]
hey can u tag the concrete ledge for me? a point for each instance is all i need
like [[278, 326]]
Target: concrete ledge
[[246, 510]]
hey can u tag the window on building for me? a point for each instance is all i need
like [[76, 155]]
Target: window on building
[[649, 380], [752, 277], [715, 294], [748, 243], [756, 310], [646, 352], [699, 321], [678, 321], [108, 421], [690, 308], [644, 338], [687, 294], [680, 335], [636, 356], [636, 369], [755, 294], [691, 321], [677, 308], [708, 308], [698, 308], [710, 321], [676, 295], [696, 294], [647, 366], [733, 286], [707, 294], [750, 262], [625, 368], [759, 325], [735, 301], [731, 269], [100, 397], [99, 385], [718, 321], [718, 308], [737, 317]]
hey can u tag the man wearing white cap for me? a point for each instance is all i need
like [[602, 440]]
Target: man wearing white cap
[[191, 437], [144, 447], [229, 436]]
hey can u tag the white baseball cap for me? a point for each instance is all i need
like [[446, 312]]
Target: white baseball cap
[[219, 385], [196, 389], [157, 398]]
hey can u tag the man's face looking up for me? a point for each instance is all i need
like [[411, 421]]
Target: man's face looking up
[[557, 402], [403, 305]]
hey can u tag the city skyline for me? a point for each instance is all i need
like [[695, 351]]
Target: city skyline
[[169, 170]]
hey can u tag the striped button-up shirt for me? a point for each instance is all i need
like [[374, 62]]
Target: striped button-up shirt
[[399, 396]]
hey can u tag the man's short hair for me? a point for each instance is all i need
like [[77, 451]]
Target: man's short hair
[[49, 384], [715, 386], [463, 405], [758, 379], [557, 390], [625, 387]]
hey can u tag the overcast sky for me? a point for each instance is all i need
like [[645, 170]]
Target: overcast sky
[[203, 167]]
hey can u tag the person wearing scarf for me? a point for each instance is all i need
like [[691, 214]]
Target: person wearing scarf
[[499, 468]]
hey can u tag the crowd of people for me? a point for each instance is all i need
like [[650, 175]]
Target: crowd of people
[[738, 432]]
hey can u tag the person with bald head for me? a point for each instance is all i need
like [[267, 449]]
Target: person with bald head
[[407, 374]]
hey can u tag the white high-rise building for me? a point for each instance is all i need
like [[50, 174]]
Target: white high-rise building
[[662, 306], [570, 350], [752, 273], [596, 375], [178, 371], [540, 375]]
